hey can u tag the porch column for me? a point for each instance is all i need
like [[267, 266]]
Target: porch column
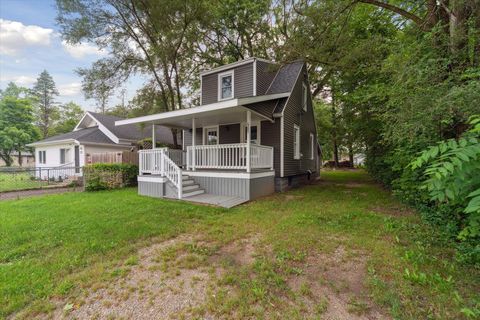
[[154, 137], [194, 137], [249, 122]]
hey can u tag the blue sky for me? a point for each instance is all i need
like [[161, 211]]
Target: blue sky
[[30, 43]]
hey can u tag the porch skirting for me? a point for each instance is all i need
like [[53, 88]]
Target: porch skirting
[[234, 184]]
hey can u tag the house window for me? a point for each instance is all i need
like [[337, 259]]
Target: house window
[[210, 135], [312, 146], [225, 85], [296, 142], [64, 156], [42, 157], [304, 96], [254, 132]]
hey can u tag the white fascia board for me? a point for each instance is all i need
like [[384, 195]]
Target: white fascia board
[[201, 109], [149, 178], [53, 142], [104, 129], [76, 127], [254, 77], [227, 66]]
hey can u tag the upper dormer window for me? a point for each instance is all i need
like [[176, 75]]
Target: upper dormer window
[[225, 85]]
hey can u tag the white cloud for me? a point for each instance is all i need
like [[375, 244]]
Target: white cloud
[[15, 36], [78, 51], [23, 81], [70, 89]]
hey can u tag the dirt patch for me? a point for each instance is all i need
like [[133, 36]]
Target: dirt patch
[[241, 252], [332, 286], [395, 211]]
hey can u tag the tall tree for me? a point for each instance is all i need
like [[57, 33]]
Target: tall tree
[[44, 93], [153, 38], [69, 115], [16, 126]]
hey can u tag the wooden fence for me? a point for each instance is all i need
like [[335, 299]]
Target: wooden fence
[[113, 157]]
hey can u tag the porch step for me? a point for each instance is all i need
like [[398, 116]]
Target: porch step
[[193, 193], [188, 182], [190, 187]]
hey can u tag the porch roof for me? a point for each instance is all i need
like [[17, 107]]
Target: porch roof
[[224, 112]]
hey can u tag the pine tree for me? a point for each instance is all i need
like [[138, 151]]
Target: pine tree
[[44, 93]]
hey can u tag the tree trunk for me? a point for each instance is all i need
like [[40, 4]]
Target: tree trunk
[[175, 140], [335, 152], [20, 162], [8, 160], [350, 156]]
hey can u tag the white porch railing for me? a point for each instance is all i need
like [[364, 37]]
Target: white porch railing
[[157, 161], [229, 156]]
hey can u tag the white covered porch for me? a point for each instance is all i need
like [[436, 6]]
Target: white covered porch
[[210, 164]]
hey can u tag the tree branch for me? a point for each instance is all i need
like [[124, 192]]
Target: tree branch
[[416, 19]]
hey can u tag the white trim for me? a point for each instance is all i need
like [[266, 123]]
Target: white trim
[[238, 175], [53, 142], [104, 129], [257, 124], [201, 109], [312, 146], [222, 75], [81, 120], [183, 139], [282, 142], [148, 178], [254, 77], [201, 90], [204, 140], [304, 96], [296, 155]]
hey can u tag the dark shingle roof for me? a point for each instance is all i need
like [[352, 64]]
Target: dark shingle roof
[[285, 78], [92, 135], [133, 131]]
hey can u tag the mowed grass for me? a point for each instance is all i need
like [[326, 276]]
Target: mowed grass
[[56, 246], [11, 181]]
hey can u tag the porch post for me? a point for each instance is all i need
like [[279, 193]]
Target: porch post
[[154, 137], [249, 122], [194, 137]]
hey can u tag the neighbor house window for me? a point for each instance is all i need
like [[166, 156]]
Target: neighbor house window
[[63, 156], [225, 85], [312, 146], [296, 142], [304, 96], [42, 157]]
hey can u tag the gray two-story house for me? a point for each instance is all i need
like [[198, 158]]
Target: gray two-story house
[[252, 134]]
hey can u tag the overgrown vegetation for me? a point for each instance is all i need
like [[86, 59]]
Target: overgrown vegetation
[[105, 176], [408, 269]]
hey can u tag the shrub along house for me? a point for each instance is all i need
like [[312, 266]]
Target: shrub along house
[[94, 133], [254, 133]]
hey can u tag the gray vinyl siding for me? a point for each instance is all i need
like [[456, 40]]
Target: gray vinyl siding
[[270, 136], [187, 138], [151, 189], [242, 87], [229, 133], [294, 114], [265, 74], [248, 189]]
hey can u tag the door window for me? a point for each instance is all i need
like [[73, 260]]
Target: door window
[[211, 136]]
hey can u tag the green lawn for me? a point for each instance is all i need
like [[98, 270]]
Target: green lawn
[[19, 181], [58, 245]]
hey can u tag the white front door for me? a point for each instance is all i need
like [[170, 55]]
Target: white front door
[[210, 135]]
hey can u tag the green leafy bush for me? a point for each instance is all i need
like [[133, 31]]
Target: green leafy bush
[[452, 171], [103, 176]]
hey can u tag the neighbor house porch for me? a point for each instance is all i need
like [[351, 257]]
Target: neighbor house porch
[[206, 170]]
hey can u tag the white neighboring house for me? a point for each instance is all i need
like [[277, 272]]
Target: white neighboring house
[[94, 133]]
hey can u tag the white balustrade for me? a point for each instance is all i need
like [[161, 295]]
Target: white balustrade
[[229, 156]]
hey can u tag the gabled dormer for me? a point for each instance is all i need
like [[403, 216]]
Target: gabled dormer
[[241, 79]]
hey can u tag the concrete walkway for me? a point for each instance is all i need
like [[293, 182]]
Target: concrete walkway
[[36, 192]]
